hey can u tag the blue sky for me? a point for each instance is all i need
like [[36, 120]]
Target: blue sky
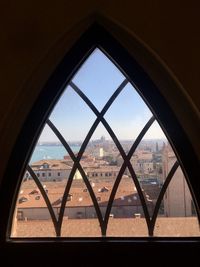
[[98, 78]]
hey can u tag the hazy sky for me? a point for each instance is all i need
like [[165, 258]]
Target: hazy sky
[[98, 78]]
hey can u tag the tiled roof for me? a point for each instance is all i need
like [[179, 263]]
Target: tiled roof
[[126, 195], [53, 165]]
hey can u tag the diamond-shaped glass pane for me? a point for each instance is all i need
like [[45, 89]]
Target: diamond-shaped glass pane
[[98, 78], [101, 162], [51, 163], [127, 116], [127, 215], [72, 117], [80, 217], [147, 162]]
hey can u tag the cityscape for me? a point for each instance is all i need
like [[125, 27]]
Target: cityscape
[[101, 162]]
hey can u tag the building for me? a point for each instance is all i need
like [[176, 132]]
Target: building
[[102, 172], [142, 162], [177, 200], [50, 170]]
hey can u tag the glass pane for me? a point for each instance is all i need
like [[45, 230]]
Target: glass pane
[[147, 164], [48, 147], [69, 116], [51, 163], [32, 217], [101, 163], [98, 78], [177, 216], [127, 216], [127, 116], [80, 218]]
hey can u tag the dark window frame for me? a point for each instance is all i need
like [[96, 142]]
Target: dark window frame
[[96, 36]]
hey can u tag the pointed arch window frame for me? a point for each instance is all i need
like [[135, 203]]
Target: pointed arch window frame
[[95, 37]]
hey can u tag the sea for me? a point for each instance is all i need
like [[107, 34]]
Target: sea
[[50, 152]]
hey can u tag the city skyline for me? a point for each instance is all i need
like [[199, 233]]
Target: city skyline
[[107, 140]]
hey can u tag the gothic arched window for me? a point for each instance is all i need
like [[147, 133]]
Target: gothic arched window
[[106, 156]]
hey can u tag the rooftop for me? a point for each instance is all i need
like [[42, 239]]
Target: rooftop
[[53, 164], [135, 227], [126, 194]]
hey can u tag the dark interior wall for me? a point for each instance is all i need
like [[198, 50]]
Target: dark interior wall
[[30, 30], [171, 29]]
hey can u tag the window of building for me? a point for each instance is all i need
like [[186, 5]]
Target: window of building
[[45, 165], [101, 99]]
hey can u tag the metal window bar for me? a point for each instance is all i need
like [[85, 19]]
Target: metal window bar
[[81, 151], [103, 221], [124, 165], [150, 221], [120, 148], [88, 185], [79, 156]]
